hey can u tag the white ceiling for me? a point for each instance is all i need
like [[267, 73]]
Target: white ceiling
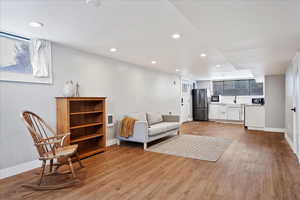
[[246, 37]]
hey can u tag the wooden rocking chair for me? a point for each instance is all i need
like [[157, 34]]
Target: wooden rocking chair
[[50, 148]]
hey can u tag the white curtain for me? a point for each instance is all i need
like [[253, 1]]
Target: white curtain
[[40, 57]]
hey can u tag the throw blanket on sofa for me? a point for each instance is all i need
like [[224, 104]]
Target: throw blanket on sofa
[[127, 127]]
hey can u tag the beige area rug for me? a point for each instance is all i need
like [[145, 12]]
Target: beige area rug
[[193, 146]]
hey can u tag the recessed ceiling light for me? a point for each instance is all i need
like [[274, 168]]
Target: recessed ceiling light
[[112, 49], [177, 70], [218, 65], [153, 62], [36, 24], [176, 36], [93, 2], [203, 55]]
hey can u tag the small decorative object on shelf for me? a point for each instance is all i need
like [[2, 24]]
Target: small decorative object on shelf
[[68, 90], [85, 119], [77, 90]]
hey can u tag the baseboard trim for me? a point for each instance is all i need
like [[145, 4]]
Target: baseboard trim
[[266, 129], [290, 143], [17, 169], [112, 142], [256, 128], [27, 166], [277, 130], [229, 121], [188, 120]]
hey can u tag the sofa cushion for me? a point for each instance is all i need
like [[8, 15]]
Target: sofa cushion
[[138, 116], [154, 118], [159, 128]]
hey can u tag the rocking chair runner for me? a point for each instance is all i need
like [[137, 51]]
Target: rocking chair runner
[[50, 148]]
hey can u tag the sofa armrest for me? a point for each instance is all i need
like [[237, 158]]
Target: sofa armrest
[[171, 118], [140, 131]]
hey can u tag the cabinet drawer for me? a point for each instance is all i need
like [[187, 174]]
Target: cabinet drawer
[[234, 114]]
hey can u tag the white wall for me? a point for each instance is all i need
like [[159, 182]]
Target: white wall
[[205, 85], [129, 89], [275, 101]]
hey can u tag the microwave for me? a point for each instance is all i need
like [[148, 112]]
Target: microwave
[[215, 98], [260, 101]]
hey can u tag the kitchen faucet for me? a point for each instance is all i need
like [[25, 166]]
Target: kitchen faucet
[[234, 101]]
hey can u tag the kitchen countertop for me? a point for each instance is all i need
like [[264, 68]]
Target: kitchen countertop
[[253, 105], [232, 104], [217, 103]]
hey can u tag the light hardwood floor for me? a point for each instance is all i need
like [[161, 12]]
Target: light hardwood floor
[[256, 166]]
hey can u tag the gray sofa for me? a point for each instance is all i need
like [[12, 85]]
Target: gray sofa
[[152, 126]]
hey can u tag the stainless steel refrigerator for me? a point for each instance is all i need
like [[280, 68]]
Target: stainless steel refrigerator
[[200, 104]]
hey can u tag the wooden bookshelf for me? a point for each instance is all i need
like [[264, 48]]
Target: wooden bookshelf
[[85, 119]]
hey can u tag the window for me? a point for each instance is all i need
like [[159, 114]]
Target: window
[[238, 88], [256, 88], [218, 88], [242, 87], [229, 88]]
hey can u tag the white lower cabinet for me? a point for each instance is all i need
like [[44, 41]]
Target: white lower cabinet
[[233, 113], [217, 111], [255, 116], [213, 111], [226, 112], [222, 112]]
